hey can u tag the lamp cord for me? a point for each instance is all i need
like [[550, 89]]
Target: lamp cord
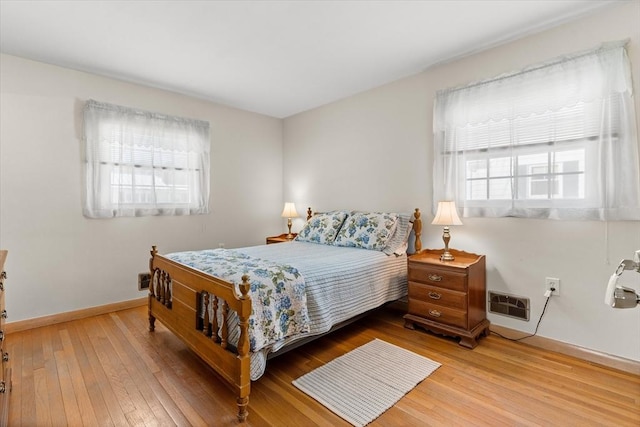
[[537, 325]]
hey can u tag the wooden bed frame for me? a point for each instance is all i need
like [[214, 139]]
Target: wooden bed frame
[[177, 294]]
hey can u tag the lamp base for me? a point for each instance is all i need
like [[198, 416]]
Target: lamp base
[[446, 256], [290, 236]]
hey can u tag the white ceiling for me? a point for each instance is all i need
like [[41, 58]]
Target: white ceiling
[[272, 57]]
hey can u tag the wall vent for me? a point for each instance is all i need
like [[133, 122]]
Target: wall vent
[[509, 305], [143, 281]]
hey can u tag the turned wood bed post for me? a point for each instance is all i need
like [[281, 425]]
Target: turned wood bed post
[[243, 349], [152, 319], [224, 328], [417, 229], [206, 328]]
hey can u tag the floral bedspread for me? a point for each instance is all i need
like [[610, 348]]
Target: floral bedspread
[[278, 294]]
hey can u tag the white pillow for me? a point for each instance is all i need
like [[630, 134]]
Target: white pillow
[[399, 242]]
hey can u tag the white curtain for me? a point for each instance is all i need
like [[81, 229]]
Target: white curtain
[[141, 163], [556, 140]]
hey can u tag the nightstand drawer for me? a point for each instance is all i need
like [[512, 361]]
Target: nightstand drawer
[[437, 313], [438, 296], [426, 274]]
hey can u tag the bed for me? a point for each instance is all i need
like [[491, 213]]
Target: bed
[[237, 308]]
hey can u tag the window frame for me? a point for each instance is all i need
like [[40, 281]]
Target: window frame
[[549, 150]]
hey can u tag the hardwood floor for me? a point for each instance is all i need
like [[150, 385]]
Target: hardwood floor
[[109, 370]]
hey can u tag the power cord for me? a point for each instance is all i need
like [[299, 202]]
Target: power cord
[[537, 325]]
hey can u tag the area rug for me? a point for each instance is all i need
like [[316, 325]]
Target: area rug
[[362, 384]]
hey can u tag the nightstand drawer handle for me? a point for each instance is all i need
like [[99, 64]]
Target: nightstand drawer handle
[[435, 313], [434, 295], [435, 278]]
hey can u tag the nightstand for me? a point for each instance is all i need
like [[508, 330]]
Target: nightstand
[[280, 239], [449, 297]]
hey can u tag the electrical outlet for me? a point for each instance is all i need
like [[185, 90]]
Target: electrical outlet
[[144, 280], [552, 282]]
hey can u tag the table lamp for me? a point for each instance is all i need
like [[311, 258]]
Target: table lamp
[[446, 215], [289, 212]]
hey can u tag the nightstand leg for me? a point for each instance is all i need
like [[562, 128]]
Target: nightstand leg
[[409, 325], [468, 342]]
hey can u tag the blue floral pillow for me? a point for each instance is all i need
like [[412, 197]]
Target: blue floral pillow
[[367, 230], [322, 228]]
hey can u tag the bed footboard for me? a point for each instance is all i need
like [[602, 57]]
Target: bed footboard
[[189, 303]]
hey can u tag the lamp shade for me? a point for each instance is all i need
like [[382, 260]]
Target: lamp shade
[[447, 214], [289, 210]]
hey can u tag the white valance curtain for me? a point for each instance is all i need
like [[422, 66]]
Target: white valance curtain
[[556, 140], [142, 163]]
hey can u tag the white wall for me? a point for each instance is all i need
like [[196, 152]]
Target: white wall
[[374, 151], [60, 261]]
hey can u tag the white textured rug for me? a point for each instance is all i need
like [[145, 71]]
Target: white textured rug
[[362, 384]]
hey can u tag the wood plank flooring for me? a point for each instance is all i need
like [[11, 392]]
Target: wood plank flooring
[[109, 370]]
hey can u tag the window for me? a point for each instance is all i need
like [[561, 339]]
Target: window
[[556, 140], [547, 175], [140, 163]]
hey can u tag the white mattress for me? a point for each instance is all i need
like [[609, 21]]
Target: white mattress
[[340, 282]]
